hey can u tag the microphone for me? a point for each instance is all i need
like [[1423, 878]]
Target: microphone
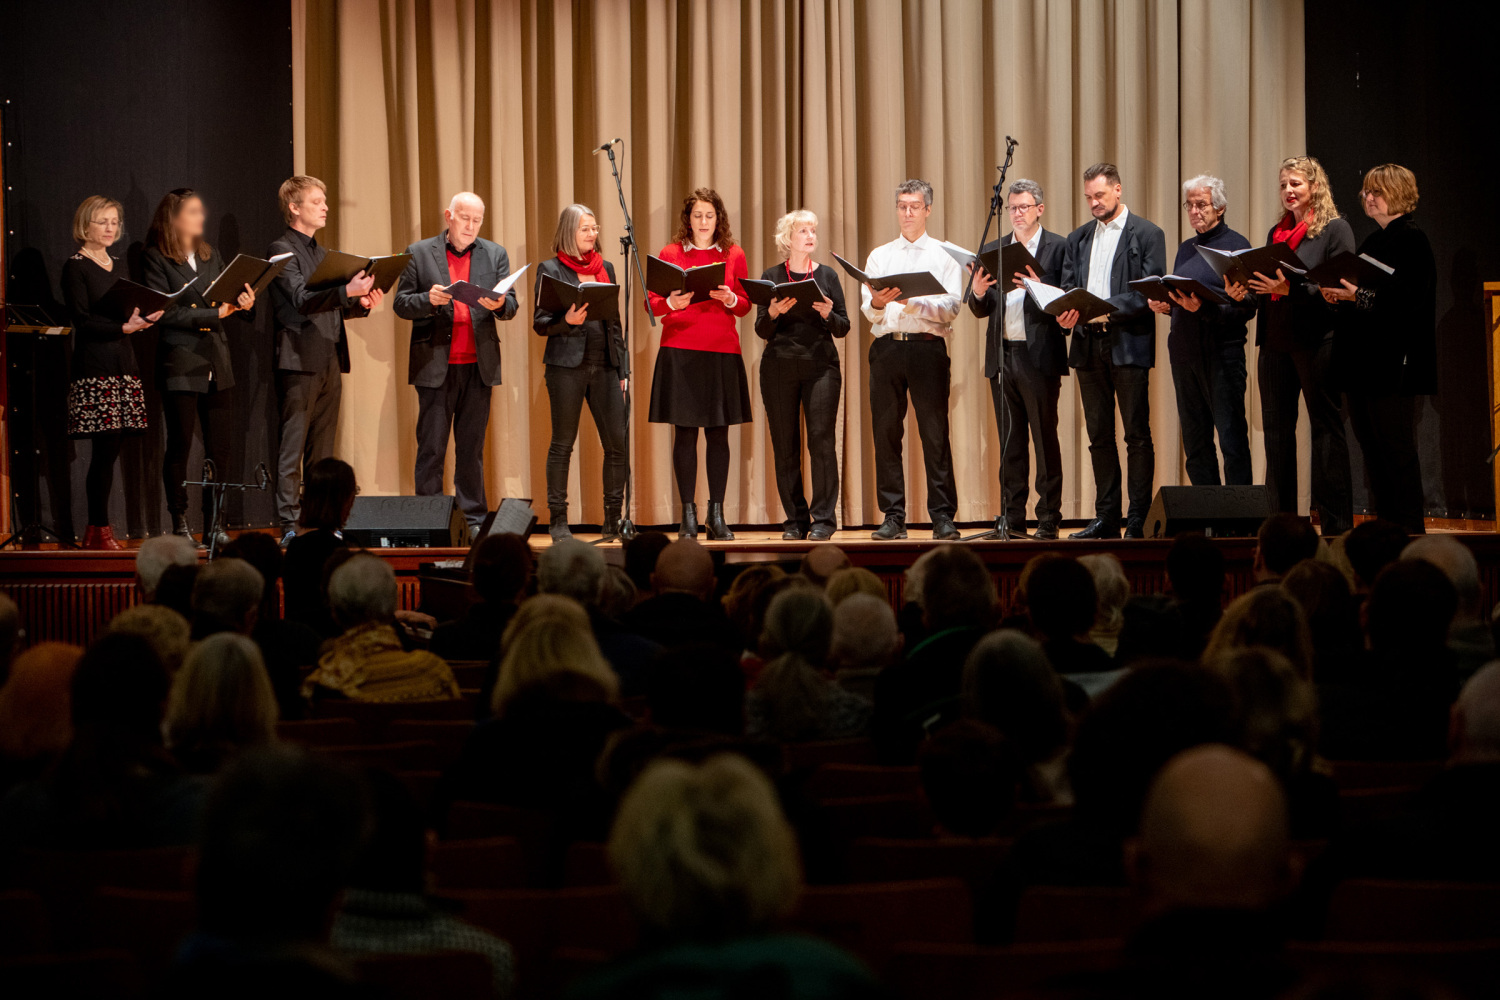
[[1011, 143], [607, 145]]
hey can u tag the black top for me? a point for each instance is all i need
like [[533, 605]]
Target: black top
[[803, 336], [101, 348], [309, 322], [1386, 341], [191, 348], [302, 579], [1301, 319], [1215, 326], [592, 341], [1046, 342]]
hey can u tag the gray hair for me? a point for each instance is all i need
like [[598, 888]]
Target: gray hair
[[566, 238], [798, 620], [157, 554], [228, 590], [915, 186], [1110, 584], [362, 590], [1479, 707], [864, 632], [464, 196], [1458, 565], [570, 568], [1213, 184], [1027, 186]]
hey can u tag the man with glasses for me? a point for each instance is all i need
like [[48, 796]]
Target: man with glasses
[[1025, 358]]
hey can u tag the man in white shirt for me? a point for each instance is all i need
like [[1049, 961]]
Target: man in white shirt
[[909, 356], [1114, 357], [1025, 358]]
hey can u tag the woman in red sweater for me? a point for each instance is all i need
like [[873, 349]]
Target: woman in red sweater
[[700, 376]]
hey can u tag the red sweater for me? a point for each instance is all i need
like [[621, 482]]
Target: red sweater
[[461, 351], [706, 326]]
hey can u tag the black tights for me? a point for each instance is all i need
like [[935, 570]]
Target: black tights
[[101, 475], [685, 461]]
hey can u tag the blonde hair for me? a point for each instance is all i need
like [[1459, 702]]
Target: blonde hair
[[1110, 584], [787, 224], [1265, 618], [550, 644], [91, 206], [292, 191], [221, 700], [853, 580], [1324, 210], [566, 239], [1395, 183], [704, 851], [1276, 711], [167, 632], [36, 702]]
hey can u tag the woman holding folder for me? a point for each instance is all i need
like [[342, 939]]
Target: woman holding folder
[[105, 397], [1385, 345], [192, 353], [799, 374], [586, 361], [700, 375]]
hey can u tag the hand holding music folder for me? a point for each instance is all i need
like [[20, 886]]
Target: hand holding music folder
[[1157, 289], [668, 279], [245, 269], [1054, 301], [804, 292], [602, 298], [1360, 270], [912, 285], [1241, 266], [125, 297], [469, 293], [1002, 262], [339, 268]]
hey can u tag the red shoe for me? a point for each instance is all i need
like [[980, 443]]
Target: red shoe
[[100, 539]]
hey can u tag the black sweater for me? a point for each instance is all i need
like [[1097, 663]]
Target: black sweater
[[1386, 341], [799, 336]]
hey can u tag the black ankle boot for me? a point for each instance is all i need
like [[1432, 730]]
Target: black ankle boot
[[611, 526], [558, 523], [689, 526], [180, 527], [718, 531]]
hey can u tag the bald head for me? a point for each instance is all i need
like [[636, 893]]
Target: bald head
[[822, 562], [1474, 732], [1213, 834], [1460, 567], [464, 215], [684, 567]]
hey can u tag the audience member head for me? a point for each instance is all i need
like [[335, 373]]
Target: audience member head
[[1332, 614], [1195, 569], [501, 569], [1372, 546], [1409, 612], [278, 837], [956, 589], [865, 634], [570, 568], [328, 492], [800, 621], [1111, 587], [1214, 834], [854, 580], [174, 589], [792, 686], [821, 562], [1275, 710], [703, 851], [697, 688], [221, 703], [550, 651], [1458, 564], [168, 633], [1153, 626], [1060, 598], [1474, 721], [684, 567], [118, 695], [641, 554], [1009, 684], [617, 594], [10, 632], [361, 591], [36, 704], [1267, 617], [742, 597], [393, 857], [227, 597], [1282, 542], [261, 551], [155, 555], [968, 777]]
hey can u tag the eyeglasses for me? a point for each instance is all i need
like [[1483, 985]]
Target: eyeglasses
[[1019, 209], [1202, 206], [906, 209]]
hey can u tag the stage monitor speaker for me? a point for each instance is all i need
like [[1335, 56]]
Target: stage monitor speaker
[[1217, 511], [406, 522]]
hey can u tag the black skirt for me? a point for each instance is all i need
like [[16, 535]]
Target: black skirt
[[699, 389]]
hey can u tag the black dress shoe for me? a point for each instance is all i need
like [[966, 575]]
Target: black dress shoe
[[1045, 532], [892, 528], [1135, 528], [943, 528], [820, 533], [1098, 528], [793, 534]]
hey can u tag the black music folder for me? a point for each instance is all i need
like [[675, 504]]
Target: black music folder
[[1054, 301], [1241, 266], [912, 285], [667, 279], [805, 292], [125, 296], [1156, 289], [1360, 270], [338, 268], [602, 297], [999, 260], [245, 269], [469, 294]]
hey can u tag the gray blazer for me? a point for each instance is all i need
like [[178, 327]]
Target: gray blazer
[[432, 327]]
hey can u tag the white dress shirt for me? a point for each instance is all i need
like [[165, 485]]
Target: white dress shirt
[[926, 313], [1015, 299], [1102, 256]]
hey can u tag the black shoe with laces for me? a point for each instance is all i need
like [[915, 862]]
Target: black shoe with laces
[[1045, 531], [1135, 528], [1098, 528], [893, 528], [943, 528]]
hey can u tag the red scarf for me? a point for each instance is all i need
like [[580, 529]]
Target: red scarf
[[1290, 234], [591, 263]]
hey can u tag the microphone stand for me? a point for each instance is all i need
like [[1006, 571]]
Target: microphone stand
[[211, 531], [632, 254], [1001, 530]]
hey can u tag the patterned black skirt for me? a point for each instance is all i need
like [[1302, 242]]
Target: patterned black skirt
[[108, 404], [699, 389]]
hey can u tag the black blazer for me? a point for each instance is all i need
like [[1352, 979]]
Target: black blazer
[[432, 327], [191, 348], [1302, 319], [309, 324], [1142, 252], [802, 337], [1389, 347], [1046, 342], [566, 344]]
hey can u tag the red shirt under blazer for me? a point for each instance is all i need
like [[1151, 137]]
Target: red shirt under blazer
[[706, 326]]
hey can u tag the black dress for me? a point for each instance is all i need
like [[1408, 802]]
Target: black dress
[[105, 395]]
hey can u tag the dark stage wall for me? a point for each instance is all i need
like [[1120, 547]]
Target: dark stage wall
[[132, 100], [1410, 84]]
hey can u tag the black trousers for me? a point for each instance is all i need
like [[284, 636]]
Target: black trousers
[[1026, 402], [1283, 376], [1386, 429], [1102, 384], [309, 427], [567, 390], [187, 412], [792, 388], [1210, 397], [460, 406], [918, 369]]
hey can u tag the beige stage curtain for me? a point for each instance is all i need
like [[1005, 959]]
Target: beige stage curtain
[[826, 104]]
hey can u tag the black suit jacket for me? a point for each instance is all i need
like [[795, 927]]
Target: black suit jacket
[[566, 344], [432, 326], [191, 348], [1046, 342], [309, 322], [1142, 252]]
